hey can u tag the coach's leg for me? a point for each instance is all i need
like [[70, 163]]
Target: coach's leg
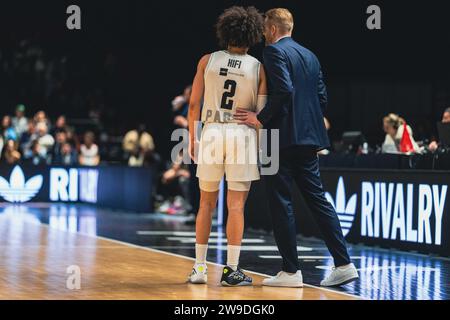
[[278, 191], [308, 180]]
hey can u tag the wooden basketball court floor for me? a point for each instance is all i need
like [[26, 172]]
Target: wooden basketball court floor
[[38, 262]]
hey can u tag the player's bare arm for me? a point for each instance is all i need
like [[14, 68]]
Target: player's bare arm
[[198, 88]]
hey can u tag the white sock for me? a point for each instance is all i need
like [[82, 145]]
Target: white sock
[[233, 253], [200, 253]]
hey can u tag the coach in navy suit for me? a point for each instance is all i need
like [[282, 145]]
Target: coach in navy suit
[[296, 102]]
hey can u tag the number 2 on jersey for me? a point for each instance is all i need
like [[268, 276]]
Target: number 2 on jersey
[[227, 102]]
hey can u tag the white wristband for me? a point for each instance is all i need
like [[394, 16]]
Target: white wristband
[[261, 102]]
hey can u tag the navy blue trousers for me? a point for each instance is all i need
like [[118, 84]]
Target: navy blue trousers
[[300, 165]]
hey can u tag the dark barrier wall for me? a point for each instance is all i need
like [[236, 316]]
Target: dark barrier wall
[[408, 210], [126, 188], [112, 186]]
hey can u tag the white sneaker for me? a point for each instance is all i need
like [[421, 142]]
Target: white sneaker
[[283, 279], [199, 274], [340, 276], [164, 207]]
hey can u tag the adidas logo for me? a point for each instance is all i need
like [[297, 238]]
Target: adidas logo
[[346, 211], [17, 190]]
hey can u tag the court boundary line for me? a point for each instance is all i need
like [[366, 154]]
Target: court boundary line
[[193, 259]]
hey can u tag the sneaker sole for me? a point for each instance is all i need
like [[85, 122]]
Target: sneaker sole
[[284, 285], [198, 281], [341, 283], [241, 284]]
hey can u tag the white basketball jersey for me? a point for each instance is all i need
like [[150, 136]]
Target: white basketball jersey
[[231, 81]]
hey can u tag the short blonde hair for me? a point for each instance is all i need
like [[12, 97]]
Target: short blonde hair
[[282, 18]]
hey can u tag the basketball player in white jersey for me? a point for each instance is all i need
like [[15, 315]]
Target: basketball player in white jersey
[[226, 80]]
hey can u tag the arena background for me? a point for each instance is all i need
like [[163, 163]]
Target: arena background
[[127, 63], [133, 56]]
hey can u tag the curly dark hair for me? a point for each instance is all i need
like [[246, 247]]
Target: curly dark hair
[[240, 27]]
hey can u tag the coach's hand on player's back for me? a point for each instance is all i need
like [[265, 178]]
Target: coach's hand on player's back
[[247, 117]]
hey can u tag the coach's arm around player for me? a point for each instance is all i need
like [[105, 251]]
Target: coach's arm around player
[[248, 117]]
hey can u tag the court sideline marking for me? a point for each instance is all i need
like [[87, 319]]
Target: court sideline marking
[[192, 259]]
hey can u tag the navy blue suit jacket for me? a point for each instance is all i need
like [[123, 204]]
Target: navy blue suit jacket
[[297, 95]]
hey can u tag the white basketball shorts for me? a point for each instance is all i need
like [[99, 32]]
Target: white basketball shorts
[[230, 149]]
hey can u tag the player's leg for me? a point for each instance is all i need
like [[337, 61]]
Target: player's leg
[[235, 223], [208, 199], [210, 170], [236, 198]]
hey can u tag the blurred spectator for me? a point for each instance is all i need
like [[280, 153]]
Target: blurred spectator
[[27, 139], [45, 140], [138, 146], [446, 116], [434, 145], [180, 107], [1, 144], [60, 125], [393, 126], [20, 122], [8, 131], [69, 156], [60, 140], [41, 117], [72, 138], [174, 188], [89, 155], [10, 153], [36, 156]]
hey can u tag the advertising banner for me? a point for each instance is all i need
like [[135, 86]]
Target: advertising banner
[[112, 186], [407, 210]]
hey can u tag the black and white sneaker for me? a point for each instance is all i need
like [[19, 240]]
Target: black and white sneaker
[[231, 278]]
